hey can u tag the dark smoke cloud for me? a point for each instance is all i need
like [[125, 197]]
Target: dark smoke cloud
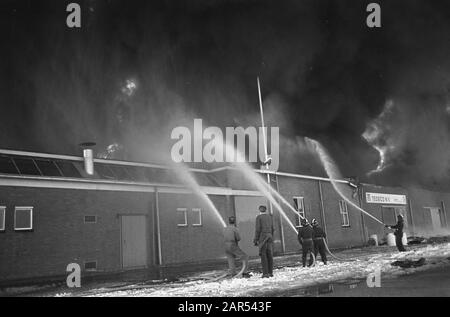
[[325, 75]]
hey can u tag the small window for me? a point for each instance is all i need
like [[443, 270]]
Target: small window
[[182, 217], [23, 218], [90, 266], [300, 206], [344, 213], [90, 219], [196, 217], [2, 218]]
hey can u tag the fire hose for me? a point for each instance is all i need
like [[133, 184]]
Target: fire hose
[[334, 256], [314, 259]]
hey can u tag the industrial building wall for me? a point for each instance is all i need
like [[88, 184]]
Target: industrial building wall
[[246, 211], [385, 211], [326, 212], [192, 241], [344, 227], [60, 235], [429, 211], [290, 187]]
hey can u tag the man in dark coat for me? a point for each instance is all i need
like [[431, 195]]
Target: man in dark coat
[[398, 232], [305, 238], [319, 236], [232, 251], [264, 240]]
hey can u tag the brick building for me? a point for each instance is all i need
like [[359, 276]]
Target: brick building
[[122, 215]]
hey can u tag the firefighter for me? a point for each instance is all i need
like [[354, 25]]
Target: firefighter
[[232, 250], [398, 233], [319, 236], [305, 238], [264, 240]]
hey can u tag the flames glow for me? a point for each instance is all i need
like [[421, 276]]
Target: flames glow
[[374, 135], [130, 87]]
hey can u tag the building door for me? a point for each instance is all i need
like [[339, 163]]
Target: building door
[[134, 241], [435, 218]]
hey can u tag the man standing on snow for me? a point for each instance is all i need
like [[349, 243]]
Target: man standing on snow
[[319, 236], [398, 233], [232, 250], [305, 238], [264, 240]]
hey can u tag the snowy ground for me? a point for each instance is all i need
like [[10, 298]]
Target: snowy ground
[[291, 277]]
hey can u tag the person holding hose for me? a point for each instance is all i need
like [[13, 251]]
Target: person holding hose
[[398, 233], [232, 251], [264, 240], [305, 238], [319, 236]]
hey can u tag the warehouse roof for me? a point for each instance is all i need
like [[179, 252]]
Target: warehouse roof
[[32, 164], [28, 164]]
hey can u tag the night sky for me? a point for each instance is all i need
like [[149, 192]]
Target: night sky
[[324, 75]]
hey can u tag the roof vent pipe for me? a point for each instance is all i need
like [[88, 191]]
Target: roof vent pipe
[[88, 155]]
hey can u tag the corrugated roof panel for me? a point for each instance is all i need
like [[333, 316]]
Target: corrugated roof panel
[[68, 169], [47, 167], [26, 166], [137, 173], [121, 172], [204, 179], [60, 167], [159, 175], [104, 171], [7, 166]]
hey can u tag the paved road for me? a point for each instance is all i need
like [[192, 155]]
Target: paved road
[[431, 283]]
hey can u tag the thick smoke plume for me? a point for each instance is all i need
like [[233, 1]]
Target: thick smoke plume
[[136, 69]]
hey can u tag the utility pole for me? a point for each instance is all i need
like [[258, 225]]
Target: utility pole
[[266, 157]]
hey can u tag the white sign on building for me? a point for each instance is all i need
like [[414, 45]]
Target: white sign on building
[[379, 198]]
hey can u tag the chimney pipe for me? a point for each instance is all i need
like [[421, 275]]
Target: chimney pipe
[[88, 155]]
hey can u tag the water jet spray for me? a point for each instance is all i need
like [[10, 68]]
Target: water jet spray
[[333, 173], [186, 176]]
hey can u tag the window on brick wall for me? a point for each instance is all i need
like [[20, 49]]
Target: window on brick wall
[[196, 217], [90, 265], [23, 218], [182, 217], [299, 203], [90, 219], [2, 218], [345, 220]]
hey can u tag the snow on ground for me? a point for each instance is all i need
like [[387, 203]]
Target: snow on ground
[[287, 278]]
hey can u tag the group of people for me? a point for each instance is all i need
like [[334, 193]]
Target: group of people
[[264, 230], [310, 236], [312, 239]]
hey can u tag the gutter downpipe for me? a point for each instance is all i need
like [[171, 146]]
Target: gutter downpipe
[[413, 229], [157, 222], [283, 246], [444, 212], [363, 223], [322, 210]]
